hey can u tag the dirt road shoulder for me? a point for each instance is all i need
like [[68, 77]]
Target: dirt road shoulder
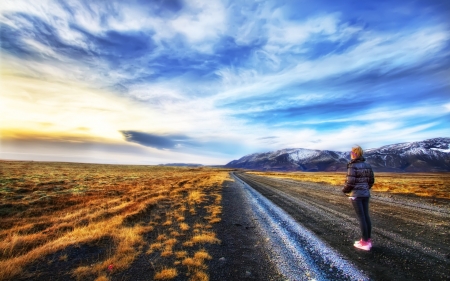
[[242, 255]]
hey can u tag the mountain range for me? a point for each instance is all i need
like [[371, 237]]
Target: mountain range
[[432, 155]]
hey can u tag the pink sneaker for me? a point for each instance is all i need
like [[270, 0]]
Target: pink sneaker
[[363, 245], [359, 241]]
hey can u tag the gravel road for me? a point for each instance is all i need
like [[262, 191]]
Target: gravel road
[[410, 234]]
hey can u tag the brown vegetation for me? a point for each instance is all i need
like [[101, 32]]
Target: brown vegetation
[[162, 212], [435, 185]]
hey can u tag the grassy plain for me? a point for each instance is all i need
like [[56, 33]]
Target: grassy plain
[[436, 185], [121, 217], [120, 213]]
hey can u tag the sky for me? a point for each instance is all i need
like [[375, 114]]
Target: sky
[[173, 81]]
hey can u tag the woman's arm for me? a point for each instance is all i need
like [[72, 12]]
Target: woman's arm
[[350, 180], [371, 178]]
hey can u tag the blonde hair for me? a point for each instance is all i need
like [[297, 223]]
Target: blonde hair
[[358, 151]]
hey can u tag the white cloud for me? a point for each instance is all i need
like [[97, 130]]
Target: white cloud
[[156, 93], [375, 51], [42, 49], [29, 7], [93, 18], [373, 136], [284, 35], [202, 23], [382, 116], [56, 16], [447, 107], [72, 37]]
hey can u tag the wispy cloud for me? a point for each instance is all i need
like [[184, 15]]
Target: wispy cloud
[[224, 78]]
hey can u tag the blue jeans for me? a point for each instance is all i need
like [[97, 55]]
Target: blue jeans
[[361, 205]]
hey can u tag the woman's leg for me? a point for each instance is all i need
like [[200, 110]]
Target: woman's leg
[[359, 209], [365, 205]]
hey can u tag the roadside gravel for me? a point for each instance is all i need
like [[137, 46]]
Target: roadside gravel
[[243, 253]]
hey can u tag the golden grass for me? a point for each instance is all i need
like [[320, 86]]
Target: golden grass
[[166, 274], [102, 278], [197, 261], [184, 226], [435, 185], [199, 275], [205, 238], [202, 255], [181, 254], [47, 207], [195, 197], [193, 263]]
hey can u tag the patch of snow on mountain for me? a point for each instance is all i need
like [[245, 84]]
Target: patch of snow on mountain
[[417, 150], [399, 146], [302, 154], [441, 150], [284, 151]]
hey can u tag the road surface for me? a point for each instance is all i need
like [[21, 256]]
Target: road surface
[[410, 234]]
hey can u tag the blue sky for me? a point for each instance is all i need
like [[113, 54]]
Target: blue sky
[[164, 81]]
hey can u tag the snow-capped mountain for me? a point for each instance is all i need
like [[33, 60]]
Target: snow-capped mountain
[[431, 155]]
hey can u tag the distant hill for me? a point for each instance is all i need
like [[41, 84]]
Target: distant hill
[[182, 164], [432, 155]]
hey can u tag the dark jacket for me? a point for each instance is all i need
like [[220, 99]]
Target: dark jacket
[[360, 178]]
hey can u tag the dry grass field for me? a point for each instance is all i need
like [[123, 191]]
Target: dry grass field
[[96, 222], [436, 185], [50, 212]]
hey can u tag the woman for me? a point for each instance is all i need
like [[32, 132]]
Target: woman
[[358, 183]]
